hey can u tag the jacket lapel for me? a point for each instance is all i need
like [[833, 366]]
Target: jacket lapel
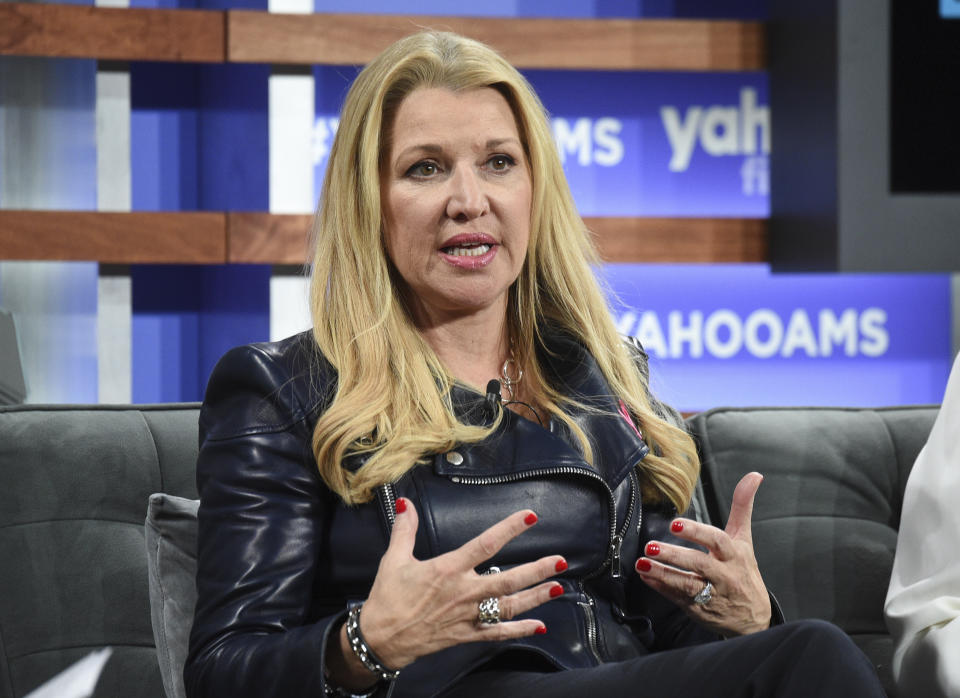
[[617, 444], [521, 446]]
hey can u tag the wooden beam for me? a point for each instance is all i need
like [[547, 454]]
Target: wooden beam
[[580, 44], [267, 238], [264, 238], [114, 238], [680, 239], [78, 31]]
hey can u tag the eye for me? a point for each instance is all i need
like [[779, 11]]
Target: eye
[[424, 168], [501, 163]]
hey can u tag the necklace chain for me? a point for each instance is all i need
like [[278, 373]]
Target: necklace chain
[[512, 374]]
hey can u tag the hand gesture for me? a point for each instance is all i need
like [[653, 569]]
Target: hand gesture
[[721, 588], [417, 607]]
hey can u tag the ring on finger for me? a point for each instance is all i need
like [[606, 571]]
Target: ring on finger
[[489, 611], [702, 597], [490, 607]]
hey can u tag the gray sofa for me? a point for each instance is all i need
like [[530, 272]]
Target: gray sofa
[[75, 480], [74, 483], [826, 516]]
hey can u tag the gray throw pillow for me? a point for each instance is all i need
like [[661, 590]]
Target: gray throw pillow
[[171, 532]]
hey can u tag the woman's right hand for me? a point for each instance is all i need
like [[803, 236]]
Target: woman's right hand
[[417, 607]]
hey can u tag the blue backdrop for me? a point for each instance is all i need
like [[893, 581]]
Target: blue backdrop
[[633, 144], [739, 335]]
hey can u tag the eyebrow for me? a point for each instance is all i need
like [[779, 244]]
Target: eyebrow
[[433, 148]]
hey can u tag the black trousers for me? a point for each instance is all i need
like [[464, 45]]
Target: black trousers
[[804, 658]]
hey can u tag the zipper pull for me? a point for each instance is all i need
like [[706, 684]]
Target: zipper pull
[[615, 545]]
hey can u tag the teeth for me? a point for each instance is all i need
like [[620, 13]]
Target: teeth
[[468, 251]]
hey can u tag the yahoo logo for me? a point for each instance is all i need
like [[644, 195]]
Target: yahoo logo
[[720, 130], [763, 333]]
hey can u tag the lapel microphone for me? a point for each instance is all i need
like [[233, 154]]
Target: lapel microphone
[[493, 397]]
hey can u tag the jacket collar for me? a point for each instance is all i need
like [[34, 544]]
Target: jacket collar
[[520, 445]]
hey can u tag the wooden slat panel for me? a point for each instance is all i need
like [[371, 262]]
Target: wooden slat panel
[[41, 29], [264, 238], [680, 239], [115, 238], [37, 29], [601, 44], [268, 238]]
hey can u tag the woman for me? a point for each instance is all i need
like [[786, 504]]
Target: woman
[[442, 490]]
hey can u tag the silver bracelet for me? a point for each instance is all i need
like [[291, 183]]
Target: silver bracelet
[[363, 652], [331, 690]]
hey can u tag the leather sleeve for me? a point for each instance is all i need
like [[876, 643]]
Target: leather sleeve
[[261, 523]]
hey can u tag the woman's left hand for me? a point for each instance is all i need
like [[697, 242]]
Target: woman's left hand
[[738, 601]]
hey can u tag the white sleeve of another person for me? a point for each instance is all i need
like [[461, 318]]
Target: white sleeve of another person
[[923, 601]]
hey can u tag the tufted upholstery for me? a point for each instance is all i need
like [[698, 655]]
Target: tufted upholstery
[[826, 516], [74, 483]]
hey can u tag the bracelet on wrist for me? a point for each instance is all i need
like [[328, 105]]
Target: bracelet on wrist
[[363, 651], [332, 690]]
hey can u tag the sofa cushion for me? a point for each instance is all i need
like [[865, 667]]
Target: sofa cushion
[[171, 529], [826, 516], [74, 482]]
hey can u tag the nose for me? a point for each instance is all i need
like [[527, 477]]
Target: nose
[[467, 198]]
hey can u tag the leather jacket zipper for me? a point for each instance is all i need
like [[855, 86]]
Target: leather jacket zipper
[[616, 537], [589, 606], [387, 495], [616, 542], [589, 613], [614, 546]]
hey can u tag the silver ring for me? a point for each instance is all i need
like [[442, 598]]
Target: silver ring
[[489, 611], [704, 595]]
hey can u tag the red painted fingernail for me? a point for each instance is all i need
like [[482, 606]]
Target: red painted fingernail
[[531, 519], [676, 526], [643, 565], [542, 630], [653, 549], [401, 505], [561, 565], [555, 591]]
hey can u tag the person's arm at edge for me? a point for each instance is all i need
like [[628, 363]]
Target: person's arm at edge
[[923, 601]]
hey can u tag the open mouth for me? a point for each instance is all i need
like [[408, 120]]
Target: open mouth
[[474, 250]]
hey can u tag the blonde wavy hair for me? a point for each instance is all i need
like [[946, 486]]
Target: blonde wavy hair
[[392, 398]]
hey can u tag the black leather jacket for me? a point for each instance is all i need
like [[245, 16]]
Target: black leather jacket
[[280, 556]]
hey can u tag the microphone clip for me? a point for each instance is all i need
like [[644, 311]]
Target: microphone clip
[[493, 399]]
